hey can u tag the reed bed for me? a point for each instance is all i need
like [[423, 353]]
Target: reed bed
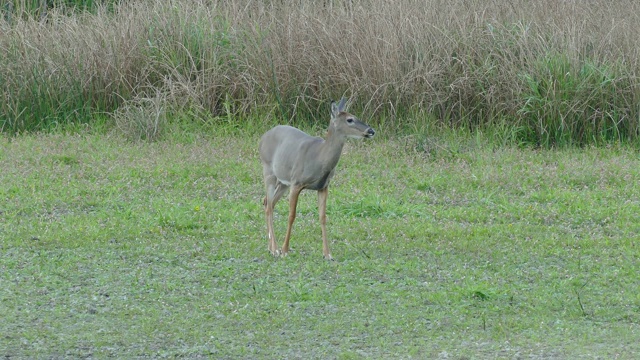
[[546, 72]]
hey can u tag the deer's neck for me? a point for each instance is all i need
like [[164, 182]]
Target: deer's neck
[[331, 149]]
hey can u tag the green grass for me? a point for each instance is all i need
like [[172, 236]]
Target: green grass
[[463, 250]]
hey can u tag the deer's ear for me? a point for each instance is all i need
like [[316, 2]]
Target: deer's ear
[[335, 109], [342, 106]]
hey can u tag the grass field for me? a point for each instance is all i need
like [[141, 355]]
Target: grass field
[[444, 248]]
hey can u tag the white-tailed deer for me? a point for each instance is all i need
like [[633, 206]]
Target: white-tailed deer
[[293, 159]]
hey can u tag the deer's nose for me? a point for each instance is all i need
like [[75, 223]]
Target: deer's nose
[[370, 132]]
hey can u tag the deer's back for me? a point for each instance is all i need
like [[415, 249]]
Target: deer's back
[[285, 149]]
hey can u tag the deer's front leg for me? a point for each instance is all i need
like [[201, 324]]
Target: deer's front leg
[[322, 210]]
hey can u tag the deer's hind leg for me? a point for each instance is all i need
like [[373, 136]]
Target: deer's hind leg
[[293, 203], [275, 190]]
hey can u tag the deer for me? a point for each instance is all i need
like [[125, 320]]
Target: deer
[[294, 160]]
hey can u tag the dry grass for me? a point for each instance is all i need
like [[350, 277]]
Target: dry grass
[[547, 69]]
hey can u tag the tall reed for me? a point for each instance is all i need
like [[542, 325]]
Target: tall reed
[[551, 72]]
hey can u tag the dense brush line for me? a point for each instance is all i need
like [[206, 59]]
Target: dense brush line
[[550, 72]]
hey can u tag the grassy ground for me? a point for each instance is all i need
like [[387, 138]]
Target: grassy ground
[[464, 251]]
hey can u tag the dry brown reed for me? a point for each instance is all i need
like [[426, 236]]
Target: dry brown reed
[[544, 68]]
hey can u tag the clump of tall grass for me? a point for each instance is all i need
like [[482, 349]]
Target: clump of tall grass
[[548, 72], [40, 8], [142, 118]]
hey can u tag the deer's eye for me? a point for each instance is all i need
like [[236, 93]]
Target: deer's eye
[[349, 120]]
